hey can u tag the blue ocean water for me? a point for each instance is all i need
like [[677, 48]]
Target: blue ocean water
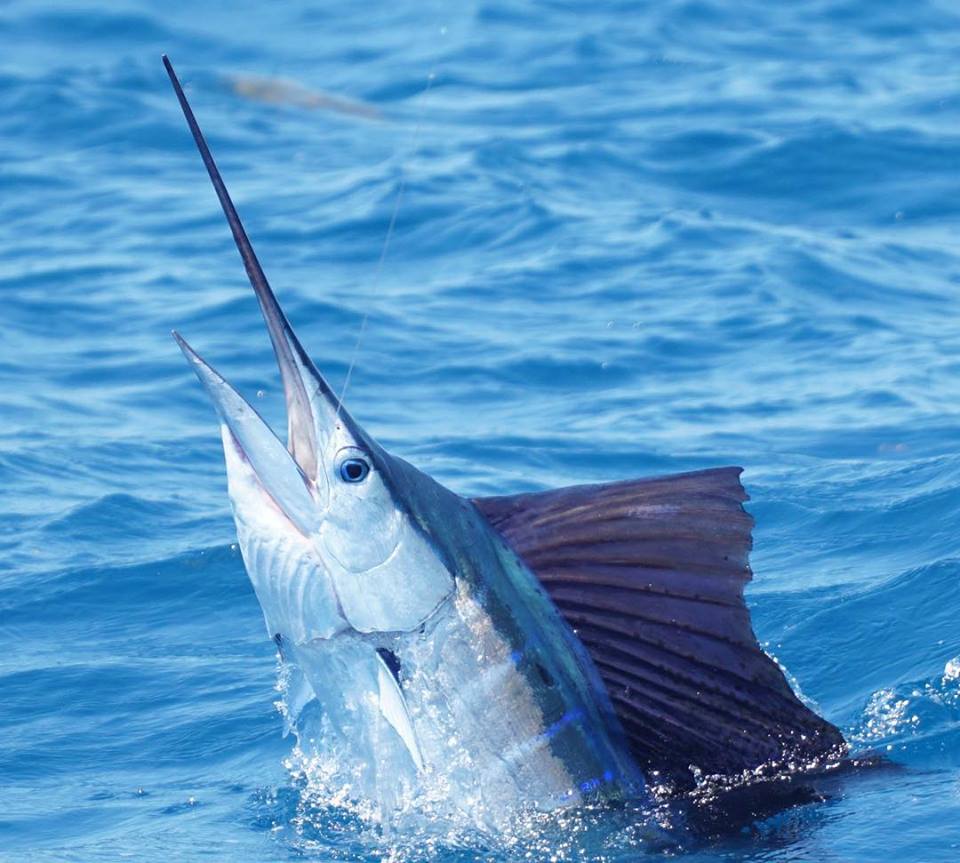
[[630, 240]]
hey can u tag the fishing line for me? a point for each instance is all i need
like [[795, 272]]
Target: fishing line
[[391, 227]]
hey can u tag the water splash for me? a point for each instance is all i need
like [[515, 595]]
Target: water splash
[[895, 716], [421, 824]]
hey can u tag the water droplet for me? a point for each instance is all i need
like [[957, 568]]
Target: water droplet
[[898, 215], [260, 394], [951, 671]]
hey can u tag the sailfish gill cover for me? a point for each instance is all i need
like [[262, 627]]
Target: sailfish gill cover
[[629, 242]]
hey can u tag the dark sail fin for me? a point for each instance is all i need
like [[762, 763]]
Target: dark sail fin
[[650, 576]]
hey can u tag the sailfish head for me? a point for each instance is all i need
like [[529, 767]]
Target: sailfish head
[[325, 522]]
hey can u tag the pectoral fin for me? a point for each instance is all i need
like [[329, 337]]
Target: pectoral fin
[[650, 576], [298, 693], [394, 710]]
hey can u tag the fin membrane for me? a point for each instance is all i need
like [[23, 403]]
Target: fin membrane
[[650, 576]]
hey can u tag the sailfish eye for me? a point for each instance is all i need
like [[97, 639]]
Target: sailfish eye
[[354, 469]]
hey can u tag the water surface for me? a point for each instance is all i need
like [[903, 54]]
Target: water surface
[[630, 241]]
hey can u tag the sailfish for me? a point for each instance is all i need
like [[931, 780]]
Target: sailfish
[[518, 653]]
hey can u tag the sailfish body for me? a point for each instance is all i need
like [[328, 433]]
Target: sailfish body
[[499, 654]]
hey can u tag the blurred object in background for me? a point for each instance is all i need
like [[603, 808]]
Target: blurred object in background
[[276, 91]]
